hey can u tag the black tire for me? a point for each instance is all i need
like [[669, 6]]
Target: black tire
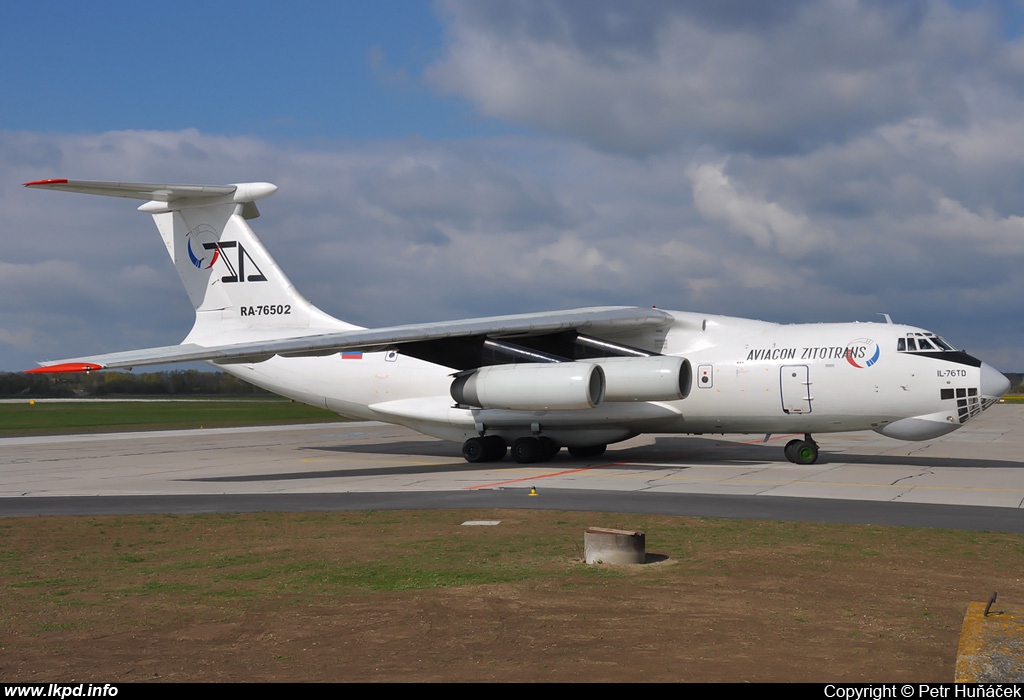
[[790, 450], [474, 450], [587, 451], [526, 450], [806, 453], [496, 448], [548, 449]]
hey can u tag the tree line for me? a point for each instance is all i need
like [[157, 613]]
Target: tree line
[[190, 382]]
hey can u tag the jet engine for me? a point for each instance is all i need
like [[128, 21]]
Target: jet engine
[[660, 378], [532, 387], [573, 385]]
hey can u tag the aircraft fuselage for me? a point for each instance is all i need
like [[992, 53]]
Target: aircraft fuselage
[[747, 377]]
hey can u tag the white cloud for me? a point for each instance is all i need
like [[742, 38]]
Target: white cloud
[[391, 232], [767, 224], [651, 77]]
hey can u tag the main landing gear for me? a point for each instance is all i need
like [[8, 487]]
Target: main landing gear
[[525, 450], [802, 451], [484, 449]]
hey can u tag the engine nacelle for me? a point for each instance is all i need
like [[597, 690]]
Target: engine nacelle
[[532, 387], [659, 378]]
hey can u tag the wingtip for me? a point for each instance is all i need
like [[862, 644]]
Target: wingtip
[[53, 181], [66, 367]]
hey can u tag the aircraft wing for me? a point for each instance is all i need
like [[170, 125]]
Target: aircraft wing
[[595, 321]]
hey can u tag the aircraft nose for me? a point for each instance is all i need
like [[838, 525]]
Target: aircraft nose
[[993, 383]]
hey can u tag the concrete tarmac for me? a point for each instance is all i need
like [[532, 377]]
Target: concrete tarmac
[[973, 478]]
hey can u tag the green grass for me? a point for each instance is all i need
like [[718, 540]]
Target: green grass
[[53, 418], [418, 584], [174, 560]]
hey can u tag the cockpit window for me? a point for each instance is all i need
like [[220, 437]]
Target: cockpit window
[[923, 342]]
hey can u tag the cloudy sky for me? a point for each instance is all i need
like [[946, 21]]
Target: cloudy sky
[[797, 162]]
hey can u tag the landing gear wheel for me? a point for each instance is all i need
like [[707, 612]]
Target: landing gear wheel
[[548, 449], [790, 450], [474, 450], [496, 448], [807, 452], [485, 449], [587, 451], [526, 450], [802, 451]]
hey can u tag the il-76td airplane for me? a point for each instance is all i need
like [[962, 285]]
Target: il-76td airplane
[[578, 379]]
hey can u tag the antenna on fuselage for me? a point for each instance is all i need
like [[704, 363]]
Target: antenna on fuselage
[[887, 318]]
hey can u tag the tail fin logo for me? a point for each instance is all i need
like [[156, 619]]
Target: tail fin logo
[[196, 233], [237, 269]]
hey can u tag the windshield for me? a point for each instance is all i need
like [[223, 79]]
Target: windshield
[[922, 341]]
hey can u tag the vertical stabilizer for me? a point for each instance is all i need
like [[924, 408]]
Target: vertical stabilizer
[[238, 291], [233, 283]]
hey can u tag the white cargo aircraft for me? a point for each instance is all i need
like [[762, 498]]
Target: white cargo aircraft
[[579, 379]]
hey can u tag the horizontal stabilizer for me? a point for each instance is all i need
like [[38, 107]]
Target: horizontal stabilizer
[[159, 192]]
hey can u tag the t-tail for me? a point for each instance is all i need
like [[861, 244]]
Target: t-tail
[[238, 291]]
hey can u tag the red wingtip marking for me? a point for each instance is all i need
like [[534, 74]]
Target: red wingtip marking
[[66, 367], [56, 181]]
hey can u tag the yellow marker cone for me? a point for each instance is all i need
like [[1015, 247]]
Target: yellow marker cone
[[533, 491], [32, 402]]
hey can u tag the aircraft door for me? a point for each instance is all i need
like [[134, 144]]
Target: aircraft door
[[796, 389]]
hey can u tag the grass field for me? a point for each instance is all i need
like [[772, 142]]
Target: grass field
[[57, 417], [415, 596]]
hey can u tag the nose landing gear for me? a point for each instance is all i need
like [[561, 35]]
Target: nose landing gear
[[802, 451]]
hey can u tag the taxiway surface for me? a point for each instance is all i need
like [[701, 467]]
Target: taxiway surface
[[973, 478]]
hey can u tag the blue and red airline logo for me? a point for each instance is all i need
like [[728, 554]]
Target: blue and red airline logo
[[198, 261], [200, 241], [862, 352]]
